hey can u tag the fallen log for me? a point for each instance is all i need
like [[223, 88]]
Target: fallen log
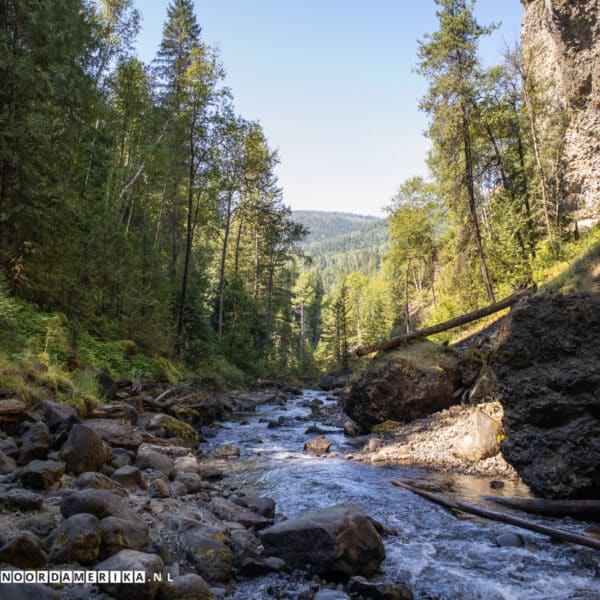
[[394, 342], [577, 509], [556, 534]]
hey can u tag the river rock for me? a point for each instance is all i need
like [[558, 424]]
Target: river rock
[[116, 433], [119, 534], [262, 505], [58, 416], [187, 587], [481, 441], [340, 540], [192, 482], [19, 499], [166, 426], [158, 488], [246, 553], [97, 481], [84, 450], [42, 474], [212, 558], [132, 560], [7, 464], [227, 451], [510, 540], [100, 503], [546, 362], [76, 539], [150, 459], [128, 476], [331, 595], [29, 591], [36, 443], [402, 386], [318, 445], [115, 410], [23, 551], [360, 587], [228, 511]]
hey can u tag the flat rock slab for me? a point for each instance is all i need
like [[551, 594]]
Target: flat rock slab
[[339, 541], [116, 433]]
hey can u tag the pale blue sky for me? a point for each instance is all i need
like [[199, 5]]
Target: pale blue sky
[[331, 82]]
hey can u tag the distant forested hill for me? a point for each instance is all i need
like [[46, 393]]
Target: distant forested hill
[[340, 243]]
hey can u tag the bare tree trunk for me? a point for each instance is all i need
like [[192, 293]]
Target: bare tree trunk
[[222, 267], [456, 322], [472, 204]]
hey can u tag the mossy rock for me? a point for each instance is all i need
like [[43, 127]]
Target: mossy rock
[[386, 426], [128, 347], [185, 412], [175, 428]]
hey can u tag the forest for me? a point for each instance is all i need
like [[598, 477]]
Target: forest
[[140, 207], [134, 200]]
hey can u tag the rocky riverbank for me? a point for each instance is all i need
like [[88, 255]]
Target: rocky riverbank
[[130, 487], [440, 441]]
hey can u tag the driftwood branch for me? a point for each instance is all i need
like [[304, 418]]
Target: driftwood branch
[[556, 534], [456, 322], [576, 509]]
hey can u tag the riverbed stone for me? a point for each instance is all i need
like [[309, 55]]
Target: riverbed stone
[[23, 551], [20, 499], [117, 433], [132, 560], [228, 511], [58, 416], [36, 443], [42, 474], [340, 540], [227, 451], [100, 503], [150, 459], [97, 481], [482, 440], [186, 587], [360, 587], [29, 591], [76, 539], [212, 558], [510, 540], [263, 505], [119, 534], [84, 450], [318, 445], [129, 476], [246, 553]]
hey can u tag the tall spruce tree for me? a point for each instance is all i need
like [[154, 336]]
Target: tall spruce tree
[[448, 60]]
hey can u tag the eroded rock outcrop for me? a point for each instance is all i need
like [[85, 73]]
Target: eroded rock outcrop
[[403, 386], [562, 38], [547, 362]]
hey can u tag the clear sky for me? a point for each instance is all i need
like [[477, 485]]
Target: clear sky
[[332, 83]]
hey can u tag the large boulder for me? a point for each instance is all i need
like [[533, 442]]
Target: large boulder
[[58, 416], [119, 534], [547, 361], [132, 560], [84, 450], [23, 551], [76, 539], [100, 503], [340, 541], [36, 443], [481, 441], [402, 386]]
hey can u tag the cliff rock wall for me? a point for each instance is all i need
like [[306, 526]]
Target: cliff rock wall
[[563, 39]]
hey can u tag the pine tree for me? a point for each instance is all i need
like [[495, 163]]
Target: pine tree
[[448, 59]]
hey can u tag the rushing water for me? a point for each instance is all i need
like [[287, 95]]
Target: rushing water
[[437, 553]]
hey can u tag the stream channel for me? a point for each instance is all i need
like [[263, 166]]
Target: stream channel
[[436, 553]]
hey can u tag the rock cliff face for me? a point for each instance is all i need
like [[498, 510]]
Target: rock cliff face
[[563, 39], [547, 363]]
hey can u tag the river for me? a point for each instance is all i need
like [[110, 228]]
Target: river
[[436, 553]]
